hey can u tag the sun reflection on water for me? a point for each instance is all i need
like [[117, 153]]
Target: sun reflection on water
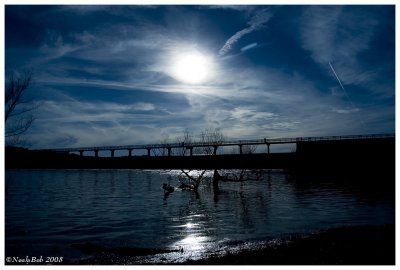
[[194, 242], [194, 238]]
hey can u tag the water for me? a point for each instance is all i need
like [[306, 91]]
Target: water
[[52, 212]]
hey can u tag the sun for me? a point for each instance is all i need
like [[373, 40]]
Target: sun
[[191, 68]]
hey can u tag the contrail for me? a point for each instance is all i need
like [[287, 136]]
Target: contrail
[[334, 72], [345, 92], [256, 23], [341, 85]]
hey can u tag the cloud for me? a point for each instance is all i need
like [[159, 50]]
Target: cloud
[[345, 111], [257, 22], [338, 34], [251, 122], [142, 106], [349, 37], [249, 47], [251, 114], [318, 31], [82, 9], [79, 111], [69, 122]]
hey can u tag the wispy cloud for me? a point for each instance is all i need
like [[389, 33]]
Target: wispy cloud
[[249, 47], [346, 111], [319, 26], [70, 122], [347, 36], [339, 34], [258, 21]]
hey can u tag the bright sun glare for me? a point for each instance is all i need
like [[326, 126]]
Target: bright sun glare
[[192, 68]]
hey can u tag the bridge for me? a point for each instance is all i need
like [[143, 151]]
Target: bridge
[[213, 146]]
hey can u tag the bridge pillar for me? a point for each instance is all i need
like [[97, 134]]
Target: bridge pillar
[[112, 152], [268, 144], [190, 150], [81, 153], [130, 152], [96, 153], [240, 149], [169, 151], [215, 149], [148, 151]]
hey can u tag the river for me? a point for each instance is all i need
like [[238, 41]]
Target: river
[[81, 215]]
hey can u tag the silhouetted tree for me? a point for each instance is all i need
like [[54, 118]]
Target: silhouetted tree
[[244, 174], [210, 138], [208, 143], [185, 139], [165, 140], [17, 107]]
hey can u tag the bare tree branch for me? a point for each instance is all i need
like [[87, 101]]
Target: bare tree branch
[[17, 107], [20, 127], [15, 90], [210, 138]]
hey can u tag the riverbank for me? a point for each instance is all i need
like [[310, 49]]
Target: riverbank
[[359, 245]]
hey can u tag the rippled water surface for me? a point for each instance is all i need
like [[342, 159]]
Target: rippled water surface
[[51, 212]]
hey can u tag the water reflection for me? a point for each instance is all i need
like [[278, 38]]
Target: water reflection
[[194, 240]]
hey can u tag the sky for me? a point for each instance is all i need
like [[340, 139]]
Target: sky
[[139, 74]]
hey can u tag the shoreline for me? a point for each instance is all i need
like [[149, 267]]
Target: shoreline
[[349, 245], [354, 245]]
